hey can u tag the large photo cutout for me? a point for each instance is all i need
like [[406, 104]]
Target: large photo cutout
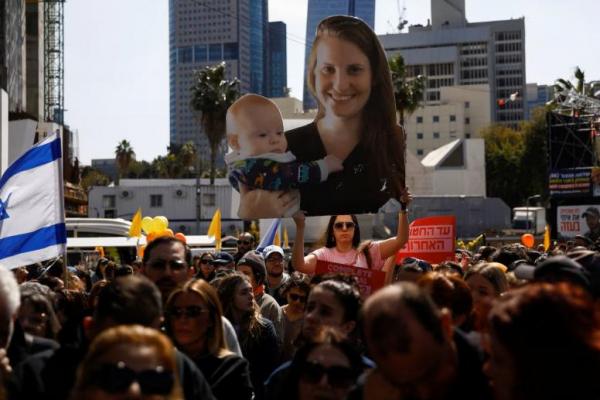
[[350, 159]]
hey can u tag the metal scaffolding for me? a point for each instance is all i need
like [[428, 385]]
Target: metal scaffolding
[[54, 60]]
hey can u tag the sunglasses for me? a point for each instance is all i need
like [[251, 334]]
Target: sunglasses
[[341, 377], [297, 297], [344, 225], [117, 378], [161, 265], [188, 312]]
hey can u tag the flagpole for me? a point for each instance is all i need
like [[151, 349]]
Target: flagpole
[[61, 191]]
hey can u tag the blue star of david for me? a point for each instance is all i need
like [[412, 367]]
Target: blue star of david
[[3, 213]]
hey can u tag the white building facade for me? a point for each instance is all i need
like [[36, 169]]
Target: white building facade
[[173, 198]]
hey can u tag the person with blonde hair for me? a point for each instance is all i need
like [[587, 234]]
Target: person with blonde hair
[[194, 322], [129, 361]]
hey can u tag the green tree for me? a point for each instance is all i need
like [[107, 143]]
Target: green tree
[[534, 161], [212, 95], [124, 155], [408, 93], [504, 148], [92, 177]]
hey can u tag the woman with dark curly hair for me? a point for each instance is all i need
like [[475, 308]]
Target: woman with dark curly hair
[[258, 340], [545, 344]]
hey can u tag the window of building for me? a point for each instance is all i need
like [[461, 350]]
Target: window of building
[[452, 118], [208, 199], [419, 152], [436, 118], [419, 136], [185, 54], [419, 120], [200, 53], [108, 201], [467, 104], [156, 200], [467, 120], [230, 51], [436, 135], [467, 136], [214, 52]]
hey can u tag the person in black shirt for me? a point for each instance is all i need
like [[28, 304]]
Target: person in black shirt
[[194, 323], [417, 353]]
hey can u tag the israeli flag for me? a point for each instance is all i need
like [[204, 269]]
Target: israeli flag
[[269, 236], [32, 217]]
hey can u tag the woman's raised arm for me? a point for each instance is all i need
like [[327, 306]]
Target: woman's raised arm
[[306, 264], [390, 247]]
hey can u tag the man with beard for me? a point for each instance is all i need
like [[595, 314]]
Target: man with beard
[[167, 263], [245, 243], [276, 275], [417, 353]]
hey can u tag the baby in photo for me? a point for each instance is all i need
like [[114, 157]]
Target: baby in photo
[[258, 158]]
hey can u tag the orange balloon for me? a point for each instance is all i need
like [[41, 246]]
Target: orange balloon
[[181, 237], [150, 237], [528, 240], [167, 232]]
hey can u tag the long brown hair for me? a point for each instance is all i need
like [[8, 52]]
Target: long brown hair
[[329, 239], [215, 339], [227, 287], [381, 135]]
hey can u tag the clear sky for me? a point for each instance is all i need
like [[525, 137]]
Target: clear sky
[[117, 61]]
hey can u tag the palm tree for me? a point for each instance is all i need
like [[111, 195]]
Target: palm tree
[[407, 93], [124, 155], [564, 85], [187, 155], [212, 95]]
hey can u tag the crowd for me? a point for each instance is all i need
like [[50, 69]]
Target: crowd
[[509, 323]]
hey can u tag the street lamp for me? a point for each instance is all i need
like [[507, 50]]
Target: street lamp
[[535, 197]]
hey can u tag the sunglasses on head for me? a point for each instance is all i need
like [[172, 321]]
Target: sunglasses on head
[[297, 297], [337, 376], [175, 265], [117, 378], [344, 225], [188, 312]]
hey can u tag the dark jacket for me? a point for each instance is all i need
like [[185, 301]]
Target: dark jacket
[[228, 377]]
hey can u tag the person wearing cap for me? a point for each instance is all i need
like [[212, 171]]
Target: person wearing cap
[[223, 260], [276, 275], [252, 265], [245, 243], [592, 219], [554, 270]]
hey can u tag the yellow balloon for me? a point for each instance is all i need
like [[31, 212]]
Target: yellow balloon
[[164, 221], [147, 224], [157, 225]]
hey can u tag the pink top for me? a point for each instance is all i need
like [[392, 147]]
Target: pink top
[[351, 257]]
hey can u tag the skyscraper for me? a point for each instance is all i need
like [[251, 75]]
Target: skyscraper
[[277, 59], [320, 9], [206, 32], [451, 51]]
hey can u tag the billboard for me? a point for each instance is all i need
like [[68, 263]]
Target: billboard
[[577, 220]]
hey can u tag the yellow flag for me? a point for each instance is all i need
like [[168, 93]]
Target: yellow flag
[[286, 243], [214, 230], [547, 237], [135, 230], [277, 238]]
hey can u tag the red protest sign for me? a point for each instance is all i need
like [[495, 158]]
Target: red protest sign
[[368, 280], [431, 239]]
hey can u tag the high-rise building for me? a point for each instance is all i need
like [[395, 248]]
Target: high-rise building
[[450, 51], [277, 59], [205, 33], [320, 9], [34, 31], [12, 52]]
